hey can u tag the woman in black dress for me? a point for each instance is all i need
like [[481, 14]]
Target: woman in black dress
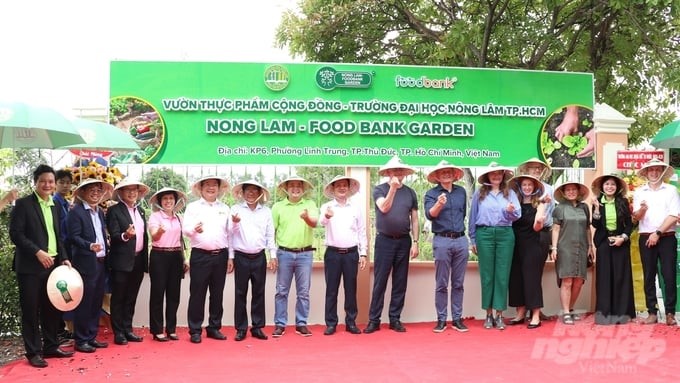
[[526, 273], [613, 225]]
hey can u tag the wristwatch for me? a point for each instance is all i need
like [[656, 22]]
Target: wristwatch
[[658, 232]]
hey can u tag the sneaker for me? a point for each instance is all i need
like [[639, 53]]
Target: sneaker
[[302, 330], [278, 331], [488, 322], [500, 324], [651, 319], [670, 319], [458, 325], [440, 327], [574, 315]]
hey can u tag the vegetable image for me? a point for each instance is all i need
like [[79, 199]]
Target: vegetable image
[[143, 122]]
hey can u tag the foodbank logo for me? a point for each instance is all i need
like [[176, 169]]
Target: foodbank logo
[[276, 78], [327, 78]]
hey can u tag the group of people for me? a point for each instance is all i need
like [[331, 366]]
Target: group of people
[[514, 225]]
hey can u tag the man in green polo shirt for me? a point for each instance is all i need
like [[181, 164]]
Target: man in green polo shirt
[[34, 230], [294, 220]]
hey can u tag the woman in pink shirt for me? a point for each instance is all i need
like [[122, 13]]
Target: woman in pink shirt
[[166, 264]]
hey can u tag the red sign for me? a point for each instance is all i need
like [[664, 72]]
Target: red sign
[[634, 159]]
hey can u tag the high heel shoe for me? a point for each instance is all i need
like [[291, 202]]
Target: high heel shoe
[[160, 337], [173, 336]]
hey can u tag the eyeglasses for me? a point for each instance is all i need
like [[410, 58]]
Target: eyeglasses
[[95, 190]]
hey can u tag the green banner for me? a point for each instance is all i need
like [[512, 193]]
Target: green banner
[[347, 115]]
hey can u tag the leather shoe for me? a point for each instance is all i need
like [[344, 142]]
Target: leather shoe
[[133, 338], [37, 361], [120, 340], [58, 353], [160, 338], [195, 338], [97, 344], [397, 326], [85, 347], [240, 335], [257, 333], [352, 329], [215, 334], [330, 330], [372, 327], [173, 336]]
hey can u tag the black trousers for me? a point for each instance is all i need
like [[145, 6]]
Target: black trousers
[[207, 272], [336, 267], [165, 273], [665, 251], [39, 318], [249, 268], [124, 289], [391, 257]]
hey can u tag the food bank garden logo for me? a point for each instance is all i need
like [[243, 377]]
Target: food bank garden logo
[[600, 349]]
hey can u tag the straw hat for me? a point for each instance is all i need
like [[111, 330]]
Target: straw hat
[[306, 185], [237, 190], [353, 186], [196, 186], [583, 191], [484, 177], [443, 164], [143, 189], [65, 288], [516, 184], [180, 199], [621, 185], [395, 163], [666, 174], [108, 188], [523, 168]]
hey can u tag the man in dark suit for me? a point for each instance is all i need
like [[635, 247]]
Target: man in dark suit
[[87, 236], [129, 257], [34, 230]]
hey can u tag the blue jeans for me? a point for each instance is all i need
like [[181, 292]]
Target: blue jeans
[[450, 263], [298, 265]]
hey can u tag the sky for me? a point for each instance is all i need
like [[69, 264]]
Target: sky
[[57, 53]]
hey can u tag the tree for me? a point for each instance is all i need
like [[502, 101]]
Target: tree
[[631, 46]]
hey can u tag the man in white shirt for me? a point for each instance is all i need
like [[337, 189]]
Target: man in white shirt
[[346, 244], [252, 232], [656, 206], [206, 224]]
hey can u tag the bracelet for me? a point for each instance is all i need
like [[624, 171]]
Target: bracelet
[[553, 248]]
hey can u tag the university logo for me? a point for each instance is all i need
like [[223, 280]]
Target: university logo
[[276, 78]]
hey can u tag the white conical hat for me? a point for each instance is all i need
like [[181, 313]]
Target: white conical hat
[[395, 163], [179, 203], [353, 186], [65, 288], [237, 190]]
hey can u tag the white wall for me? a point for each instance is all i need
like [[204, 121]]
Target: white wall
[[419, 306]]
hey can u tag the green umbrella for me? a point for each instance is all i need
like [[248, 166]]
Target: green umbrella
[[26, 126], [102, 136], [668, 137]]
